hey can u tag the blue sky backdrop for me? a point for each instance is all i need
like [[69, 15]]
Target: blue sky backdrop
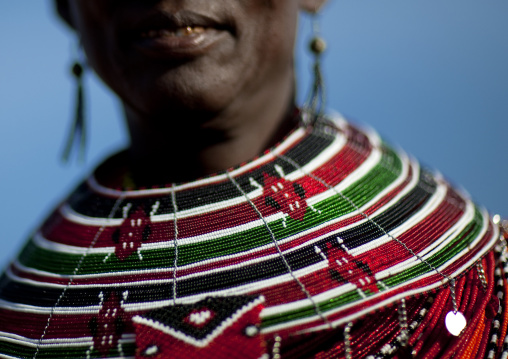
[[430, 75]]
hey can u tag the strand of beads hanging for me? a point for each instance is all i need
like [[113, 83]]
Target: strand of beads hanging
[[77, 133], [495, 330], [481, 274], [503, 258], [403, 323], [347, 340], [317, 97], [316, 101], [276, 347]]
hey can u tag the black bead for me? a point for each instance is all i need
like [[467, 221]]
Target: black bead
[[77, 70]]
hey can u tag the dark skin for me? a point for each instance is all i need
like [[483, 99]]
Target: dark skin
[[200, 105]]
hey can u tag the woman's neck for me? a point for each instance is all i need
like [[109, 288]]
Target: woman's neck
[[190, 146]]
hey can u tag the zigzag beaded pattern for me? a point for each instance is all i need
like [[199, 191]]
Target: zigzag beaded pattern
[[322, 254]]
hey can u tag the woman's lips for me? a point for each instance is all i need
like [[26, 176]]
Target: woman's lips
[[185, 42], [184, 31], [177, 36]]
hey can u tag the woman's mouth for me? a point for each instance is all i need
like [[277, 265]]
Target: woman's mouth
[[179, 36], [184, 31]]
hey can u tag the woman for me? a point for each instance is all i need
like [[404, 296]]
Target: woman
[[237, 225]]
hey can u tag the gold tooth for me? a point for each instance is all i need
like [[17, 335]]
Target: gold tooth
[[183, 31]]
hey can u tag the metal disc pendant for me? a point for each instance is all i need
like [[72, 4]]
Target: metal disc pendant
[[455, 323]]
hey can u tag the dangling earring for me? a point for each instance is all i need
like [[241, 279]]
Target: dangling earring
[[315, 104], [77, 134]]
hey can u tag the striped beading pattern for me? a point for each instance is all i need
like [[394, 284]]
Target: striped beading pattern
[[331, 226]]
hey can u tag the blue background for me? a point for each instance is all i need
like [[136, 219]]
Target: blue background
[[430, 75]]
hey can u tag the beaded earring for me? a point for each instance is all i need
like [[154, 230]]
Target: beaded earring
[[77, 133], [316, 102]]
